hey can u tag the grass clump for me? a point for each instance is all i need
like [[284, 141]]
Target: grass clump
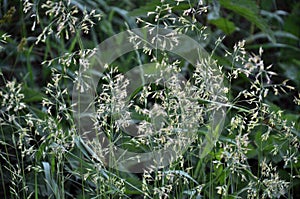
[[45, 45]]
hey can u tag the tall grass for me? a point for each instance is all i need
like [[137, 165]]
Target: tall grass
[[42, 154]]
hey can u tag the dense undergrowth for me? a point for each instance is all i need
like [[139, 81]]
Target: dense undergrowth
[[255, 45]]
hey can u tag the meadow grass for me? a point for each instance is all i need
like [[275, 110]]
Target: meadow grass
[[43, 46]]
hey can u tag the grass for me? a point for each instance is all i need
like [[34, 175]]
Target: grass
[[43, 154]]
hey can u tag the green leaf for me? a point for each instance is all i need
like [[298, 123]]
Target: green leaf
[[143, 10], [273, 45], [292, 22], [52, 186], [249, 10], [32, 95], [181, 173], [274, 15], [225, 25], [151, 6], [277, 34]]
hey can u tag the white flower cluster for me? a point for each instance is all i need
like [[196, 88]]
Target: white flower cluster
[[65, 18], [11, 97]]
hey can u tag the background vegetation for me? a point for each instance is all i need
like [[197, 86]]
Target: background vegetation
[[44, 42]]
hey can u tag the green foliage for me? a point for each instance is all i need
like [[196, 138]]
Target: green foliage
[[250, 11]]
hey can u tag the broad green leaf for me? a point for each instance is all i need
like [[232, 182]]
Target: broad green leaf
[[249, 10], [225, 25], [293, 71], [143, 10], [150, 6], [292, 22], [32, 95]]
